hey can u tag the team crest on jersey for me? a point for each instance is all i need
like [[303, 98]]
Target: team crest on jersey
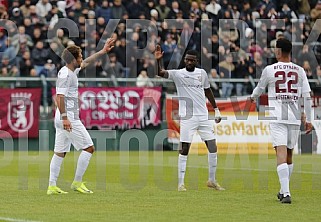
[[199, 78], [20, 112]]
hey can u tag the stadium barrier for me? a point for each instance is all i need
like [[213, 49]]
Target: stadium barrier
[[225, 145]]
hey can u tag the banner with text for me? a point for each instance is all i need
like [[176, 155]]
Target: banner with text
[[122, 107], [239, 130], [19, 112]]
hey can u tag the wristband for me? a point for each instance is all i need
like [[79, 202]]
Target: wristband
[[63, 115], [217, 113]]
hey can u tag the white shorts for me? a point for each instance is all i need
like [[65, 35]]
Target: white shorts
[[201, 124], [284, 134], [78, 137]]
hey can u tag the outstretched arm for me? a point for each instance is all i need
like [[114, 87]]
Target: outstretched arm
[[260, 88], [107, 47], [210, 96], [158, 56]]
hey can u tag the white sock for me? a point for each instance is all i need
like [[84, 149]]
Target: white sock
[[212, 162], [55, 165], [290, 166], [290, 169], [82, 165], [283, 173], [181, 168]]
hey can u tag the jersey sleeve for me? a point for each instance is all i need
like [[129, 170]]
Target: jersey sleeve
[[172, 74], [263, 82], [305, 84], [206, 81], [62, 83], [77, 71]]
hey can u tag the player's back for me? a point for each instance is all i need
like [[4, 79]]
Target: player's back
[[286, 83]]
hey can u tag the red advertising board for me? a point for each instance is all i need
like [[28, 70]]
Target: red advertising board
[[122, 107], [19, 112]]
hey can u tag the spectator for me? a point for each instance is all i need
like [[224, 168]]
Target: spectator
[[163, 10], [174, 10], [143, 80], [77, 10], [35, 18], [308, 143], [212, 76], [184, 6], [61, 40], [3, 12], [37, 35], [168, 47], [3, 41], [23, 40], [91, 5], [26, 65], [25, 8], [118, 11], [7, 70], [10, 52], [134, 9], [113, 67], [17, 16], [213, 9], [104, 11], [225, 70], [43, 7], [29, 27], [39, 55]]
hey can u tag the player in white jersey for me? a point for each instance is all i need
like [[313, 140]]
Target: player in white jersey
[[287, 83], [193, 87], [69, 128]]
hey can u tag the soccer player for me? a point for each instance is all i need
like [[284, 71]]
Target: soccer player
[[193, 87], [287, 83], [69, 128]]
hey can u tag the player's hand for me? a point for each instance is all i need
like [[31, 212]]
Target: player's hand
[[109, 45], [67, 125], [217, 116], [308, 127], [252, 100], [158, 52]]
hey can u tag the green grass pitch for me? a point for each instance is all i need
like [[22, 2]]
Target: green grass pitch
[[142, 186]]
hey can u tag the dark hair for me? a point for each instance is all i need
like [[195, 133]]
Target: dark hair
[[284, 44], [70, 53], [192, 52]]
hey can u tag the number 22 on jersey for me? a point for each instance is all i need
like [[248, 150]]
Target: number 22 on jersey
[[290, 79]]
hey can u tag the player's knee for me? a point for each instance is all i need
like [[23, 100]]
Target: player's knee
[[90, 149], [183, 152], [211, 146], [61, 154]]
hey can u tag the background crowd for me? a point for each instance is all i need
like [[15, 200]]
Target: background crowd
[[238, 48]]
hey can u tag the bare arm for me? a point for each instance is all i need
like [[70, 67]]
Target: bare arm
[[158, 56], [93, 58], [210, 96], [60, 102]]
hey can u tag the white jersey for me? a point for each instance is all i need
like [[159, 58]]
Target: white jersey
[[190, 88], [67, 85], [286, 83]]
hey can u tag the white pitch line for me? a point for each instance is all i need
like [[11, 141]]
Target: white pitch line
[[16, 220]]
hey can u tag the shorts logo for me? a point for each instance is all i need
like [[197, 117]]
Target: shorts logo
[[20, 112]]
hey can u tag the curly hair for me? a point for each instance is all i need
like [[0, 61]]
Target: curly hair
[[70, 53]]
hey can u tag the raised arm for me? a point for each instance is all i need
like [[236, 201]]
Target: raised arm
[[107, 47], [158, 56]]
